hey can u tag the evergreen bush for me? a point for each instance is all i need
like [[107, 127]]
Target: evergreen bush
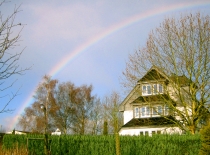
[[205, 140]]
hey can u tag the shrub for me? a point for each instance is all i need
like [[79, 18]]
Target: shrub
[[205, 140]]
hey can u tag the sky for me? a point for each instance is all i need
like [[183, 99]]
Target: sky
[[85, 42]]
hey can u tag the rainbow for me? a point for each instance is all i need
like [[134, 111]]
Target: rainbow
[[110, 30]]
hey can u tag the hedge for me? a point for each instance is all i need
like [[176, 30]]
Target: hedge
[[105, 145]]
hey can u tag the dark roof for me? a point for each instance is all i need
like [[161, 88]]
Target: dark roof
[[153, 74], [150, 121], [153, 98], [156, 73], [181, 80]]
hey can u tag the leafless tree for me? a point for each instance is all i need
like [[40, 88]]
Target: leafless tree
[[33, 117], [111, 112], [113, 117], [83, 104], [9, 39], [62, 114], [68, 107], [179, 48]]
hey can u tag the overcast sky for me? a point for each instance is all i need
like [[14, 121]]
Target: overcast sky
[[83, 41]]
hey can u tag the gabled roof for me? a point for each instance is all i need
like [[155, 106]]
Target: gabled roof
[[154, 73], [153, 98], [150, 121], [129, 96]]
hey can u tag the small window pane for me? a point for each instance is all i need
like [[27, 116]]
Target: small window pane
[[154, 110], [153, 132], [160, 110], [155, 88], [144, 89], [136, 112], [141, 133], [148, 89], [146, 133], [143, 111], [147, 111], [158, 132], [160, 88]]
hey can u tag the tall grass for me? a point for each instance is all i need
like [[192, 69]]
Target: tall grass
[[105, 145]]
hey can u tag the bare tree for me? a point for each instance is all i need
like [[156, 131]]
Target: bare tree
[[179, 48], [33, 117], [68, 107], [111, 113], [62, 116], [113, 117], [8, 58], [83, 104], [94, 125]]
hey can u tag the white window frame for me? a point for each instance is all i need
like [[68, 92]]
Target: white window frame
[[157, 110], [162, 88], [146, 89], [152, 89], [160, 110], [136, 112], [158, 88], [166, 110], [145, 111], [154, 111], [151, 111]]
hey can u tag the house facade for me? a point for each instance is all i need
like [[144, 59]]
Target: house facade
[[145, 109]]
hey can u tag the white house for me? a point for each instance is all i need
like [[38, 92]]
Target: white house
[[145, 111], [57, 132], [16, 132]]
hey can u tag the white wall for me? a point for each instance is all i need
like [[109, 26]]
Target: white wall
[[128, 115], [166, 130]]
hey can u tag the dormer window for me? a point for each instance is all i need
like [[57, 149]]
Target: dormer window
[[146, 90], [157, 88], [152, 89]]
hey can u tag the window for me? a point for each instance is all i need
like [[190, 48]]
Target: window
[[145, 111], [136, 112], [153, 132], [149, 89], [157, 88], [160, 110], [141, 133], [146, 90], [166, 110], [146, 133], [155, 91], [157, 110], [160, 88], [151, 111], [154, 111], [158, 132]]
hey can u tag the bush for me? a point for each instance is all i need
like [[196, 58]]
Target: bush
[[205, 140], [105, 145]]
